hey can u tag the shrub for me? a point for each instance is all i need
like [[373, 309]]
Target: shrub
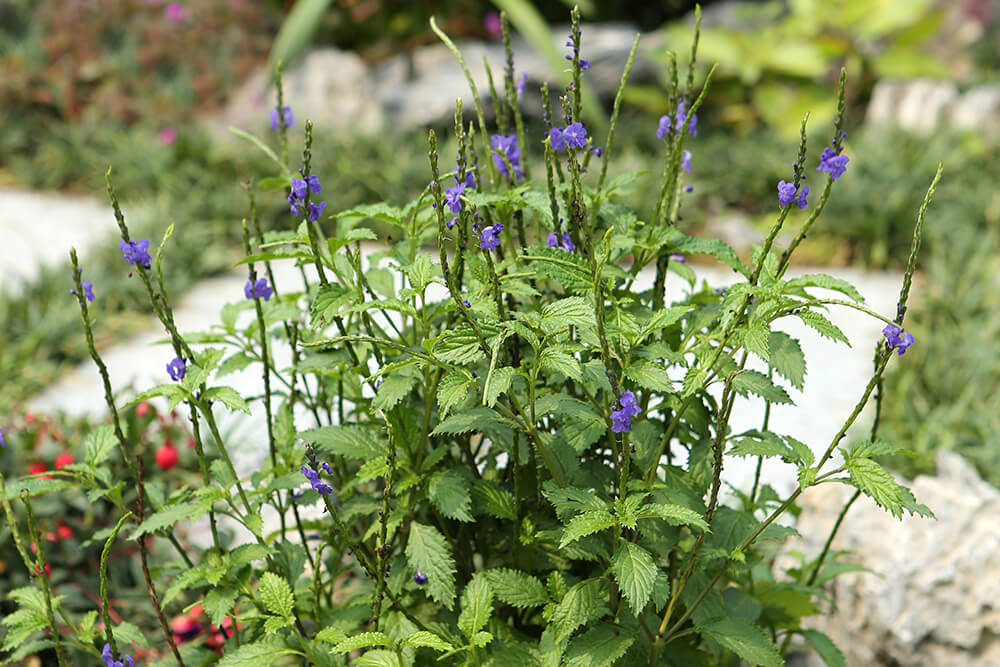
[[517, 446]]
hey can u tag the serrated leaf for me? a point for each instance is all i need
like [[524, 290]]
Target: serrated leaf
[[676, 515], [787, 358], [491, 498], [420, 272], [598, 647], [428, 551], [364, 640], [380, 657], [661, 320], [826, 282], [425, 639], [585, 524], [650, 376], [558, 361], [569, 500], [875, 482], [379, 211], [517, 589], [257, 654], [825, 648], [825, 327], [577, 607], [767, 445], [392, 390], [166, 517], [235, 362], [356, 442], [219, 603], [694, 380], [868, 449], [276, 595], [565, 268], [228, 397], [498, 382], [477, 605], [452, 391], [756, 339], [757, 383], [275, 623], [330, 635], [449, 492], [475, 419], [100, 441], [458, 346], [635, 573], [689, 245], [573, 310], [745, 640]]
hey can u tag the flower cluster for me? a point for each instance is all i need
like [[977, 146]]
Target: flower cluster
[[136, 253], [489, 238], [258, 289], [833, 163], [88, 291], [286, 113], [506, 147], [573, 135], [312, 471], [109, 658], [897, 339], [788, 193], [621, 419], [675, 122], [453, 195], [301, 188], [574, 43], [177, 369], [566, 243]]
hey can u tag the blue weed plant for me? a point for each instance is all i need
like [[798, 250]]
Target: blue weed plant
[[517, 434]]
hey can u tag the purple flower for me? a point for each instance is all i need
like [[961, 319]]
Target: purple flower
[[897, 339], [675, 257], [575, 135], [833, 163], [664, 128], [801, 199], [109, 658], [258, 289], [521, 83], [491, 21], [136, 253], [3, 443], [176, 369], [420, 578], [175, 12], [489, 238], [506, 146], [288, 115], [556, 139], [294, 204], [675, 121], [567, 243], [317, 483], [465, 302], [451, 223], [584, 64], [721, 291], [787, 194], [316, 210], [686, 161], [621, 419], [88, 290], [453, 196], [300, 191]]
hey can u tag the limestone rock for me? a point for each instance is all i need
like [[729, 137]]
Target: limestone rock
[[931, 596]]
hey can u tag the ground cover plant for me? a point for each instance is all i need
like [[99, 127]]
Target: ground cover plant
[[516, 443]]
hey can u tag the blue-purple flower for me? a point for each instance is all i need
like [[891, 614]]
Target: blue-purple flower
[[258, 289], [566, 243], [453, 195], [575, 135], [88, 291], [686, 161], [677, 257], [489, 238], [288, 115], [420, 578], [897, 339], [314, 479], [3, 443], [506, 147], [788, 193], [177, 369], [621, 419], [136, 253], [833, 163], [109, 658], [301, 188], [675, 122], [521, 83]]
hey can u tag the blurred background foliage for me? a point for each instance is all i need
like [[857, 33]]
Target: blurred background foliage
[[91, 83]]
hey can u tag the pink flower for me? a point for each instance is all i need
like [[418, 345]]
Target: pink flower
[[492, 24], [175, 12], [168, 135]]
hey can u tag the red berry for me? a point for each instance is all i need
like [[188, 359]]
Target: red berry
[[36, 468], [50, 536], [142, 409], [196, 611], [64, 532], [64, 460], [167, 456]]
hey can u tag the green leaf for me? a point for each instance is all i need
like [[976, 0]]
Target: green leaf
[[420, 272], [757, 383], [570, 271], [868, 449], [330, 635], [452, 391], [166, 517], [498, 382], [379, 211], [745, 640], [601, 646], [875, 482], [100, 441], [276, 595], [392, 390], [449, 492], [228, 396], [219, 603], [458, 346], [650, 376], [296, 33], [585, 524], [825, 327], [825, 647], [635, 572], [428, 551], [661, 320], [826, 282], [475, 419], [555, 360], [364, 640], [787, 358], [689, 245], [257, 654], [477, 605], [356, 442], [425, 639], [130, 633], [235, 362], [571, 311], [765, 444], [517, 589], [578, 606], [491, 498], [756, 339], [379, 657], [273, 624], [676, 515]]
